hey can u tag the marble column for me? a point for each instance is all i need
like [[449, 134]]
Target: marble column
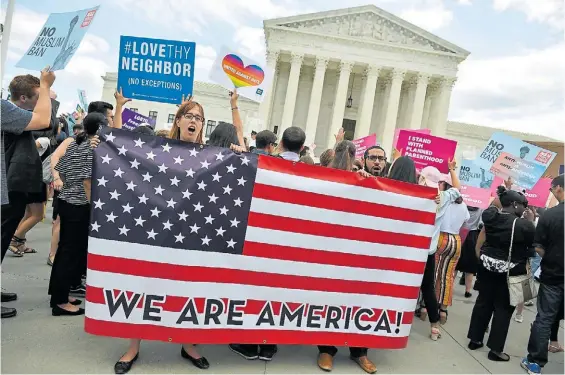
[[366, 111], [315, 99], [339, 102], [419, 100], [392, 110], [266, 106], [291, 91], [445, 89]]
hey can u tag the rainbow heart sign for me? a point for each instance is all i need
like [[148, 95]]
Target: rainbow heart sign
[[240, 75]]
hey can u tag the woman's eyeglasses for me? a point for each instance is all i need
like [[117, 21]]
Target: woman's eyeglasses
[[190, 117]]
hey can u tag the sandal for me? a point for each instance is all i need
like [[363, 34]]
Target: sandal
[[443, 318], [435, 334], [27, 250], [50, 259], [423, 314], [19, 244], [555, 348], [16, 248]]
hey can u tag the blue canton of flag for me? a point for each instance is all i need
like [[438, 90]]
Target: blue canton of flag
[[169, 193]]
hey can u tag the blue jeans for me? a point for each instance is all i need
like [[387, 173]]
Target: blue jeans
[[535, 263]]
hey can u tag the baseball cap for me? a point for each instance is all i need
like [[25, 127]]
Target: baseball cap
[[432, 176]]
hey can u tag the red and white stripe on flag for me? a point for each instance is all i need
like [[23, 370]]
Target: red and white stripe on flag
[[330, 258]]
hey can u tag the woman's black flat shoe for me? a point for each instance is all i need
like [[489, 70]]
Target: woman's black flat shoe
[[76, 302], [201, 363], [468, 295], [502, 357], [123, 367], [475, 345], [57, 311]]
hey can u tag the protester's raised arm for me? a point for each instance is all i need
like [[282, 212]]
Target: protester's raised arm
[[41, 117], [452, 164], [120, 102], [236, 118]]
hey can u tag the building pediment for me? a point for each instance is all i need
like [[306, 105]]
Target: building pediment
[[368, 23]]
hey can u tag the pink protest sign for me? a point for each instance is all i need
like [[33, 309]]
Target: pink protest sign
[[475, 197], [397, 133], [426, 149], [537, 196], [363, 144]]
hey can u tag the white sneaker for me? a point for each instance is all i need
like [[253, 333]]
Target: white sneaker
[[519, 318]]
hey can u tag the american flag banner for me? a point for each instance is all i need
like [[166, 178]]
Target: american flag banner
[[194, 243]]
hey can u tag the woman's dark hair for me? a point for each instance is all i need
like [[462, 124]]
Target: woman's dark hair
[[447, 187], [92, 122], [403, 169], [508, 197], [144, 129], [344, 156], [372, 148], [306, 159], [224, 135], [327, 157]]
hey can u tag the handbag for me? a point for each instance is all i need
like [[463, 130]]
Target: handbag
[[521, 288]]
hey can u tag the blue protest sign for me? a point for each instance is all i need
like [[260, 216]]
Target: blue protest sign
[[155, 69], [472, 175], [500, 142], [58, 40]]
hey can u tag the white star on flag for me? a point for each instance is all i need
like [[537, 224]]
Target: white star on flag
[[155, 212], [227, 190], [186, 194], [163, 168], [106, 159], [110, 137], [134, 164], [151, 234], [179, 160], [219, 156], [224, 211], [231, 243], [183, 216], [143, 199], [193, 152], [206, 240], [194, 228], [139, 221], [111, 217], [171, 203], [131, 185], [216, 177], [231, 168], [151, 155], [174, 181], [209, 219], [220, 232], [205, 164], [95, 226], [198, 207], [118, 172], [122, 150], [102, 181], [241, 181], [234, 222], [201, 185], [159, 190], [127, 208], [237, 202], [212, 198], [190, 173], [115, 195], [99, 204], [147, 177], [139, 143], [179, 238], [166, 148], [245, 161], [167, 225], [124, 230]]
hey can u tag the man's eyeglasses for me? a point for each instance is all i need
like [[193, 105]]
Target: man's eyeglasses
[[190, 117], [375, 158]]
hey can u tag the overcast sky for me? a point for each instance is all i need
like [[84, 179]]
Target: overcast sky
[[513, 79]]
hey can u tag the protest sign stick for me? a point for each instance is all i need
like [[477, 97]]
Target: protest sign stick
[[7, 27]]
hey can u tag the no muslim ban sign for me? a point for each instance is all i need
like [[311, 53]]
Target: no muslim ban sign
[[155, 69]]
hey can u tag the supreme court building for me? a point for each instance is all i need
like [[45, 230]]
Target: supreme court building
[[361, 68]]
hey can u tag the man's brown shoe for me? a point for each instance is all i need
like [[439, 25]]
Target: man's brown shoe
[[325, 362], [364, 362]]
